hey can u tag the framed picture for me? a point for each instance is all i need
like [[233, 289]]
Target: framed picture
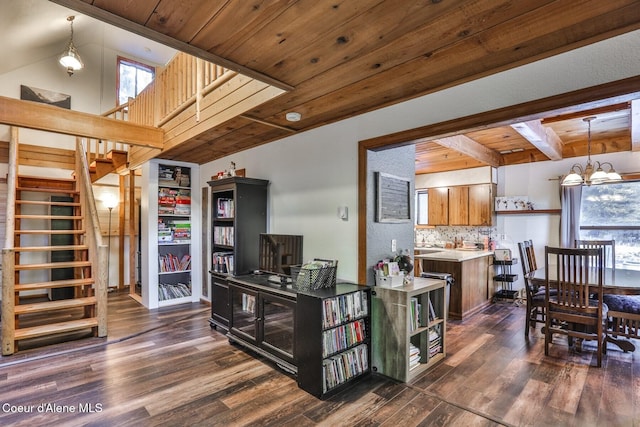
[[393, 198], [45, 96]]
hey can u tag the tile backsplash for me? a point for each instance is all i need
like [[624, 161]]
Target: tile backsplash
[[439, 236]]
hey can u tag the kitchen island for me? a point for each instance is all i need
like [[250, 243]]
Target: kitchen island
[[471, 271]]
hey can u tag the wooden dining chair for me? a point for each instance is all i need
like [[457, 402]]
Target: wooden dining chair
[[609, 247], [535, 302], [575, 274]]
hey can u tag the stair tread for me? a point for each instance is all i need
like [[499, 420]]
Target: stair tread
[[53, 328], [46, 203], [46, 265], [47, 190], [53, 284], [49, 231], [51, 248], [50, 216], [37, 307], [46, 179]]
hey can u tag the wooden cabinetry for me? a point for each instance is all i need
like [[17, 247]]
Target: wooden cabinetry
[[239, 215], [263, 319], [333, 338], [409, 325], [461, 205], [168, 266], [438, 209], [470, 290]]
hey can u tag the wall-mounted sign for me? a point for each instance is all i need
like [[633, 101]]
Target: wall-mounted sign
[[393, 198]]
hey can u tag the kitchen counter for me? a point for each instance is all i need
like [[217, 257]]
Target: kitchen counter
[[470, 270], [456, 255]]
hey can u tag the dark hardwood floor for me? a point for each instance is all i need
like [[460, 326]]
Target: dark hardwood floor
[[168, 367]]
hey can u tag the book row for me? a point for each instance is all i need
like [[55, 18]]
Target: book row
[[222, 262], [223, 236], [225, 208], [168, 291], [344, 308], [171, 230], [341, 368], [170, 263], [174, 175], [343, 337]]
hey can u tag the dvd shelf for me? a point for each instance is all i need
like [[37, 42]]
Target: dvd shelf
[[417, 315], [333, 338]]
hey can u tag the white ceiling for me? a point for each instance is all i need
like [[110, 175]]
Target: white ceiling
[[32, 30]]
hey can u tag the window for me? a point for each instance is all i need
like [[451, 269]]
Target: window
[[422, 206], [612, 212], [133, 77]]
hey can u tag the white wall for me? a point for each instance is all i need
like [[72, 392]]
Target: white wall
[[314, 172]]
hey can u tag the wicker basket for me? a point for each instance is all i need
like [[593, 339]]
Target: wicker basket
[[310, 279]]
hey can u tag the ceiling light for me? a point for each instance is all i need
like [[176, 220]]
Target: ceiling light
[[293, 116], [70, 59], [591, 173]]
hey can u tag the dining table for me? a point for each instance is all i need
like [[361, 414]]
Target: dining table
[[615, 281]]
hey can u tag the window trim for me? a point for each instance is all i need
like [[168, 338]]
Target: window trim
[[137, 64]]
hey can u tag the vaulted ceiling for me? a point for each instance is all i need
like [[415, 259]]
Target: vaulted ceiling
[[338, 59]]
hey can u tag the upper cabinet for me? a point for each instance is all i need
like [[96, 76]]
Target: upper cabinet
[[438, 210], [462, 205]]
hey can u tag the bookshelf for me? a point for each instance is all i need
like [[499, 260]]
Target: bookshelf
[[168, 246], [333, 338], [417, 316], [238, 216]]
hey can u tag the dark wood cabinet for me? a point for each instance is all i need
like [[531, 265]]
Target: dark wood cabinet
[[239, 215], [262, 318], [220, 310]]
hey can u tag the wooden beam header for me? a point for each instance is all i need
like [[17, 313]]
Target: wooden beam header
[[36, 115]]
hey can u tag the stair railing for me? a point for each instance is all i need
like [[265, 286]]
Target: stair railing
[[93, 239], [8, 253]]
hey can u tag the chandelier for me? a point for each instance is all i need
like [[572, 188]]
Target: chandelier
[[591, 173], [70, 58]]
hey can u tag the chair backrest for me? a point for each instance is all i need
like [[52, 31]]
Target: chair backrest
[[529, 265], [609, 247], [575, 273]]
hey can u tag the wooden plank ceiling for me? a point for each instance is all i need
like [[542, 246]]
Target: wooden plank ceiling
[[343, 58]]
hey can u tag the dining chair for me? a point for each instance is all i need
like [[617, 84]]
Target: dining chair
[[609, 247], [535, 302], [574, 274]]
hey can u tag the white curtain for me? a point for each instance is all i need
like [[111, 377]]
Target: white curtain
[[570, 198]]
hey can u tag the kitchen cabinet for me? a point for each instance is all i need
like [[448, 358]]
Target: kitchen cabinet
[[462, 205], [438, 210]]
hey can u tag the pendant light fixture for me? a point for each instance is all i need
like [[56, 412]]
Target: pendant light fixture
[[70, 59], [591, 173]]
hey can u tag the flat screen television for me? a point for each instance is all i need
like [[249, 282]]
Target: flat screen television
[[278, 252]]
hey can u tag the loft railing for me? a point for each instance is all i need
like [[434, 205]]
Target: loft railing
[[93, 239], [182, 83]]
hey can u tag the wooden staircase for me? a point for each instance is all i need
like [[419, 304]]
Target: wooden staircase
[[36, 313], [114, 161]]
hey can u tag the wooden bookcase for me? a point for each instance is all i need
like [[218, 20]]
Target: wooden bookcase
[[238, 216], [168, 263], [409, 328], [333, 339]]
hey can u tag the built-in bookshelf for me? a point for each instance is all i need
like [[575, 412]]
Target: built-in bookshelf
[[416, 314], [168, 248], [333, 338]]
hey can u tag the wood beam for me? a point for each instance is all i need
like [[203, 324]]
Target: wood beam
[[465, 145], [36, 115], [543, 138], [635, 125], [133, 27]]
